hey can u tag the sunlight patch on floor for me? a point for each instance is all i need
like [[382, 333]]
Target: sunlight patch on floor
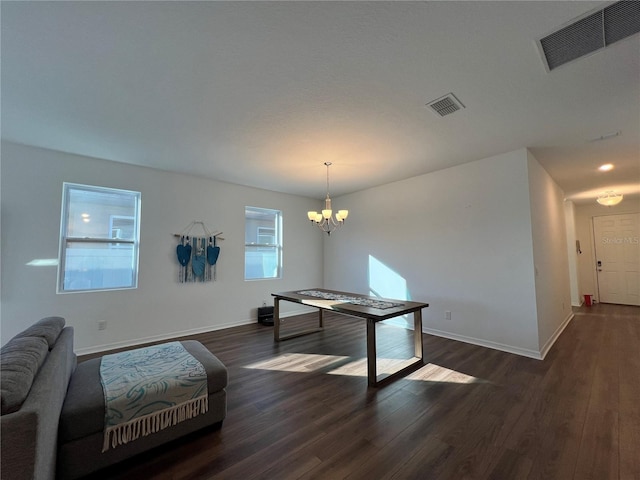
[[385, 366], [298, 362], [435, 373], [346, 366]]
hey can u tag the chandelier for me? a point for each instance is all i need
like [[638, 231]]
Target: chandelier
[[325, 220], [609, 198]]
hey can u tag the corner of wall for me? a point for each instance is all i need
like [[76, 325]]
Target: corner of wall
[[550, 254]]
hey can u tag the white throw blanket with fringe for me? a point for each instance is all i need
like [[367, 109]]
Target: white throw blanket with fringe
[[149, 389]]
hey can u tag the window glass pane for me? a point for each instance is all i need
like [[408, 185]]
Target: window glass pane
[[263, 244], [100, 238], [260, 262], [92, 214], [100, 266]]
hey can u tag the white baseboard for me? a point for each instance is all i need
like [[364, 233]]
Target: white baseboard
[[547, 346], [168, 336], [431, 331], [525, 352]]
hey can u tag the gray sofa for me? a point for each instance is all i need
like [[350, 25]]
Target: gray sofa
[[53, 410], [36, 366]]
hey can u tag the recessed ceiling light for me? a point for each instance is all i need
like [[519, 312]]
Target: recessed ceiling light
[[606, 167]]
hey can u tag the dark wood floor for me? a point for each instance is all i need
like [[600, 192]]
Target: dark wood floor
[[301, 409]]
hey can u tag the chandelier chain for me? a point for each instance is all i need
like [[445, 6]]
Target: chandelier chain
[[327, 164]]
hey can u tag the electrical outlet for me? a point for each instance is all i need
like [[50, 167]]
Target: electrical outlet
[[447, 315], [102, 325]]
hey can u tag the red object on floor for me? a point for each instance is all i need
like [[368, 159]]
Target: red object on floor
[[587, 300]]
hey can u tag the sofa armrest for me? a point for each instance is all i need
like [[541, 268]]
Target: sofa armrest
[[19, 434]]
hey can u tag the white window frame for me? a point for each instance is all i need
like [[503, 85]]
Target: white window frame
[[275, 232], [112, 242]]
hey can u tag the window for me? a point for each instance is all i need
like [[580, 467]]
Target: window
[[262, 243], [99, 239]]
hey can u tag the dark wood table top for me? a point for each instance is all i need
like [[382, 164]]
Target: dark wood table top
[[363, 311]]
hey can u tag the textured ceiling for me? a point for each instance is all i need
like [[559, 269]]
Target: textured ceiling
[[263, 93]]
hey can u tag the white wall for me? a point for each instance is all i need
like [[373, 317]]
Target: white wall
[[161, 307], [464, 239], [584, 232], [460, 238], [550, 256]]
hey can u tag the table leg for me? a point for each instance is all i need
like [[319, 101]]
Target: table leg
[[277, 324], [418, 350], [276, 319], [417, 334], [372, 356]]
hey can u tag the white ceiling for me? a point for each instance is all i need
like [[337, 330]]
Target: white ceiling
[[263, 93]]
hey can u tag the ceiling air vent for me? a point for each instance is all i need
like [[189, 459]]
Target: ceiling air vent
[[445, 105], [590, 33]]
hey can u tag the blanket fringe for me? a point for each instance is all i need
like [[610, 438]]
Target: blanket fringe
[[154, 422]]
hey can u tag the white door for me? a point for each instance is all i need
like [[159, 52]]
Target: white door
[[618, 258]]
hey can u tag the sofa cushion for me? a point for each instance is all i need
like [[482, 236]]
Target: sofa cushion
[[48, 328], [20, 360]]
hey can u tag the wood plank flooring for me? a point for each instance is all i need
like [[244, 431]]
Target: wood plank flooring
[[301, 409]]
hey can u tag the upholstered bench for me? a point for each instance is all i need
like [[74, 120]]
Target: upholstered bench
[[81, 430]]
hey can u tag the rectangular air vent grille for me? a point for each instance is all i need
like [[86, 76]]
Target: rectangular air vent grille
[[621, 20], [445, 105], [591, 33]]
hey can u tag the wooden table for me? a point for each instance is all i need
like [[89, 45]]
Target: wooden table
[[368, 311]]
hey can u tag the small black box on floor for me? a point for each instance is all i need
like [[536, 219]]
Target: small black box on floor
[[265, 315]]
